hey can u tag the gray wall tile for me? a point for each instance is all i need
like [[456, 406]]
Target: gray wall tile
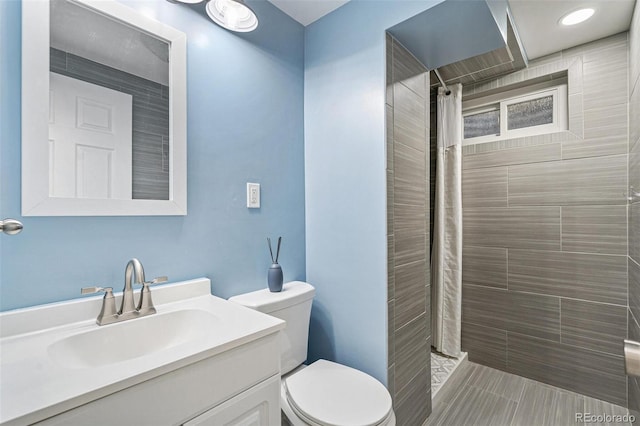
[[391, 341], [524, 155], [389, 69], [634, 166], [410, 176], [407, 112], [605, 77], [414, 401], [410, 292], [595, 277], [634, 115], [580, 174], [580, 370], [532, 227], [605, 133], [591, 51], [530, 314], [594, 229], [634, 231], [600, 180], [485, 345], [597, 326], [408, 70], [407, 218], [634, 382], [485, 266], [410, 248], [409, 118], [411, 352], [389, 135], [484, 187], [634, 287], [634, 47], [576, 116]]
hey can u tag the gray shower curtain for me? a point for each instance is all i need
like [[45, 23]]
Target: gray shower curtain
[[446, 256]]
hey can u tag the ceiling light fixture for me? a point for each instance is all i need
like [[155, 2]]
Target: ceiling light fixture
[[577, 16], [233, 15]]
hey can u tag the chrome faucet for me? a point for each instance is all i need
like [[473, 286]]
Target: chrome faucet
[[133, 271], [133, 274]]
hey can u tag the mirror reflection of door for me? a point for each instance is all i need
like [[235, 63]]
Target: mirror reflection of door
[[90, 150]]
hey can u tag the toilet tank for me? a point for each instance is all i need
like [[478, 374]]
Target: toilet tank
[[293, 305]]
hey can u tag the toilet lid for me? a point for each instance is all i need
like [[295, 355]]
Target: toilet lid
[[334, 395]]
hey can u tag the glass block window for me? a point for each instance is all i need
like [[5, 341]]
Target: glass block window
[[482, 124], [534, 112], [527, 111]]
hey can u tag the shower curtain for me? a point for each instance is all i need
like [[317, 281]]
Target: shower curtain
[[446, 256]]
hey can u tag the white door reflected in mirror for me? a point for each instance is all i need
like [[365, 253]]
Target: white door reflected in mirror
[[89, 140], [103, 111]]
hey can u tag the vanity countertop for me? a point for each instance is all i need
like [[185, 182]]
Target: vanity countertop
[[38, 381]]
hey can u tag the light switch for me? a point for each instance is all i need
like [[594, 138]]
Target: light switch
[[253, 195]]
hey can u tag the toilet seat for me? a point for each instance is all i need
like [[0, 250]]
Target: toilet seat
[[330, 394]]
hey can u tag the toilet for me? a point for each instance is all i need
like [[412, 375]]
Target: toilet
[[323, 393]]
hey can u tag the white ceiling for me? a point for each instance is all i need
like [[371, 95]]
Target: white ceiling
[[91, 35], [536, 20], [307, 11]]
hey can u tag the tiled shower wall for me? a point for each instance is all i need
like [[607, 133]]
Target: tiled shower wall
[[409, 334], [150, 139], [634, 208], [545, 233]]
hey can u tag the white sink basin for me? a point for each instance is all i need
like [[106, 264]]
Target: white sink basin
[[132, 339], [54, 358]]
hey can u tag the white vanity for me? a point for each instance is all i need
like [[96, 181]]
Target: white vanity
[[200, 360]]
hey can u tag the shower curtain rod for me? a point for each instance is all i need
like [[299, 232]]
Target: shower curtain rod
[[442, 83]]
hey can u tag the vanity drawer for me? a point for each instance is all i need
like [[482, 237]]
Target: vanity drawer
[[178, 396]]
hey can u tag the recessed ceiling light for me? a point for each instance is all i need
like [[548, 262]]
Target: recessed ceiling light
[[577, 16], [233, 15]]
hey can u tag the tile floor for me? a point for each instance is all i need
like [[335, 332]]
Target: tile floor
[[478, 395]]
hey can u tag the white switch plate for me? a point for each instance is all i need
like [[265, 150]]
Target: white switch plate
[[253, 195]]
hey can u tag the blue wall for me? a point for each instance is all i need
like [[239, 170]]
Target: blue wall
[[245, 124], [345, 180]]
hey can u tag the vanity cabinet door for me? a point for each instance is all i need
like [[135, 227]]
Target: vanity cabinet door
[[257, 406]]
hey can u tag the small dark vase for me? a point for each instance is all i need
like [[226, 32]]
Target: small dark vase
[[274, 278]]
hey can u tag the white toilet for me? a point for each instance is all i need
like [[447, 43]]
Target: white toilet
[[324, 393]]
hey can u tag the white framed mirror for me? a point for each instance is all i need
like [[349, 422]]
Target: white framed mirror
[[103, 111]]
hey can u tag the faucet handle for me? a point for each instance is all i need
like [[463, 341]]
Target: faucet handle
[[145, 304], [107, 313], [91, 290], [157, 280]]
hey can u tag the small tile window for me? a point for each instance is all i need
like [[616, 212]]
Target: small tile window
[[483, 123], [524, 112]]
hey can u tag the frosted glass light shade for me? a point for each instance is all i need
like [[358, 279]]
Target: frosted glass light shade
[[577, 16], [189, 1], [233, 15]]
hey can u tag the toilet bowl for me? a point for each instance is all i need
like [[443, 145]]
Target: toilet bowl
[[326, 393], [323, 393]]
